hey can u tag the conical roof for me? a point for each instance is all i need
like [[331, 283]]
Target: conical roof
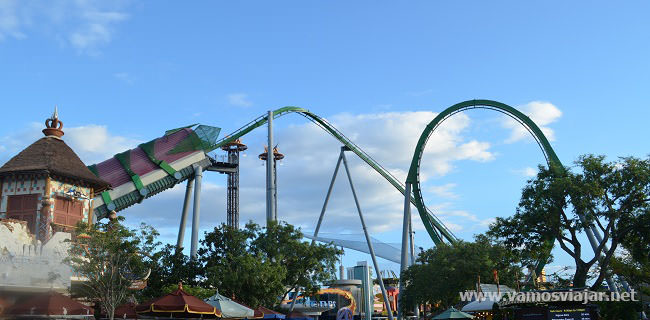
[[268, 313], [52, 156], [180, 304], [230, 308]]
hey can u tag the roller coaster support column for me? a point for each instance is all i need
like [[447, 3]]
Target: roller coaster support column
[[198, 175], [365, 231], [327, 197], [416, 310], [270, 181], [405, 240], [186, 208], [592, 234], [626, 286]]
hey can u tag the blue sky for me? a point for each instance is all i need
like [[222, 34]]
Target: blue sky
[[122, 72]]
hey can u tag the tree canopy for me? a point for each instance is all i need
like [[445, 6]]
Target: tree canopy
[[560, 202], [257, 265], [169, 266], [110, 257], [445, 270]]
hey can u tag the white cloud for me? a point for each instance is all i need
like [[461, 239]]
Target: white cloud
[[93, 143], [10, 21], [444, 191], [463, 219], [541, 112], [305, 173], [311, 155], [17, 141], [527, 172], [239, 100], [124, 77], [85, 25], [96, 29]]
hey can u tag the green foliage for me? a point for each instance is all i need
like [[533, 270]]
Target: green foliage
[[233, 267], [635, 271], [199, 292], [256, 266], [110, 256], [613, 196], [446, 270], [617, 310], [307, 265], [169, 266]]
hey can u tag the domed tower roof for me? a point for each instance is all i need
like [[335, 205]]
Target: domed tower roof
[[50, 155]]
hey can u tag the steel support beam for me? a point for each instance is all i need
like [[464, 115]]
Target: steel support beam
[[270, 181], [416, 310], [275, 189], [599, 237], [186, 208], [198, 175], [370, 248], [329, 193], [405, 240], [594, 245]]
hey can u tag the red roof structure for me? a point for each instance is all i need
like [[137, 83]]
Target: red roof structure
[[125, 311], [266, 313], [178, 304], [50, 305]]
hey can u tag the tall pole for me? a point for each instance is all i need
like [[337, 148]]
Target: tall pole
[[405, 241], [270, 183], [198, 175], [186, 208], [275, 189], [416, 310], [370, 248]]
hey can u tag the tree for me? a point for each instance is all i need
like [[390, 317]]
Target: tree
[[260, 266], [169, 266], [559, 203], [237, 271], [307, 264], [110, 256], [444, 271], [197, 291]]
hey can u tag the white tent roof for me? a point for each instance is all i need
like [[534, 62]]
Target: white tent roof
[[229, 308], [482, 305], [388, 251]]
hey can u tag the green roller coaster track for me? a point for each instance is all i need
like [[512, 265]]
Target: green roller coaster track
[[435, 228], [414, 171]]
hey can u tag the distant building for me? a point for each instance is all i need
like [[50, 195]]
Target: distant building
[[362, 272]]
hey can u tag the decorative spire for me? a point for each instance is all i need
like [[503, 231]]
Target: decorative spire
[[53, 125]]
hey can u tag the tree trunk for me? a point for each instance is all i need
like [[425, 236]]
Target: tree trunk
[[580, 277]]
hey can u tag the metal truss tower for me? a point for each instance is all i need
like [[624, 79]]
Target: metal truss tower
[[232, 203]]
